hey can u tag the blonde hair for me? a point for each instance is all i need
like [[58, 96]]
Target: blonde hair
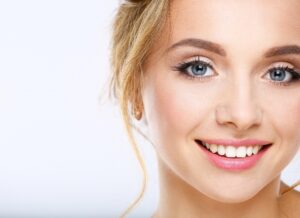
[[136, 26], [135, 29]]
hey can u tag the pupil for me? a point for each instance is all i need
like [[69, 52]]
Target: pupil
[[199, 69], [278, 74]]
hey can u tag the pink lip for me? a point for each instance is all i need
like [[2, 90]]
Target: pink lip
[[236, 143], [233, 164]]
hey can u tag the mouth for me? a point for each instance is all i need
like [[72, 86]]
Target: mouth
[[233, 155], [234, 151]]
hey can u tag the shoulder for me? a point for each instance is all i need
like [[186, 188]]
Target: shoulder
[[290, 202]]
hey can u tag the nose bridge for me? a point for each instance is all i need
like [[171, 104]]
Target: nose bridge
[[242, 102], [240, 107]]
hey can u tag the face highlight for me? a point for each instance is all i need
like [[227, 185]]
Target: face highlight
[[225, 70]]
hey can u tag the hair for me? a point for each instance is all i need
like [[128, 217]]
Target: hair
[[136, 27]]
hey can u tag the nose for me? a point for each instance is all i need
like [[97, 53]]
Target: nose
[[238, 108]]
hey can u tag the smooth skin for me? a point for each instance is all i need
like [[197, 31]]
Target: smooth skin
[[235, 99]]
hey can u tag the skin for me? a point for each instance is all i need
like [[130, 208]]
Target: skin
[[238, 101]]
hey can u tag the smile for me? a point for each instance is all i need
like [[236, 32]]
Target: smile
[[233, 151], [234, 155]]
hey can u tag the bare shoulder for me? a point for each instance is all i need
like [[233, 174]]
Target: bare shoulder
[[290, 202]]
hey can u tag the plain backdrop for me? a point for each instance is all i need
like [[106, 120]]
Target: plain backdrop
[[64, 153]]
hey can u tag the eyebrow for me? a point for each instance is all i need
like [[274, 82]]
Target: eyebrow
[[283, 50], [216, 48], [199, 43]]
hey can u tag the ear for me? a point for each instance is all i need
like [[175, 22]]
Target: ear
[[140, 114], [138, 108]]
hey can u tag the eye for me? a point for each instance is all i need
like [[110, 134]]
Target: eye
[[199, 69], [283, 75], [279, 74], [195, 68]]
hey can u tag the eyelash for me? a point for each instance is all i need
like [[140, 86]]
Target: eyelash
[[182, 68], [295, 75]]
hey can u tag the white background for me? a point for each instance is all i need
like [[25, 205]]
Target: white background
[[63, 152]]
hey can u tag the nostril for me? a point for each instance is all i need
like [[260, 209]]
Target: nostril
[[240, 119]]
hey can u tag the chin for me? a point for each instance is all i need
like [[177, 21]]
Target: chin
[[232, 196]]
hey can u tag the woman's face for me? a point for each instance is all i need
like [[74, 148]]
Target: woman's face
[[225, 70]]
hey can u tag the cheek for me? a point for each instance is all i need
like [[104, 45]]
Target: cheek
[[286, 115], [282, 117], [170, 110], [175, 108]]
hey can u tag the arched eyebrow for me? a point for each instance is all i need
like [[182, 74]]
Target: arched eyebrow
[[217, 49], [199, 43], [283, 50]]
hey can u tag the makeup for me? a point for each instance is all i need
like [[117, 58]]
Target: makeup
[[233, 163]]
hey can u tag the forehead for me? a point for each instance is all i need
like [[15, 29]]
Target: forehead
[[237, 25]]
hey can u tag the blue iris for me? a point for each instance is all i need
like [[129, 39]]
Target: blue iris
[[278, 74], [198, 69]]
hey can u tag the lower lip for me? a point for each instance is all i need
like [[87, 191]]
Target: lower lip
[[234, 164]]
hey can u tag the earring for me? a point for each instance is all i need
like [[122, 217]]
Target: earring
[[138, 114], [137, 111]]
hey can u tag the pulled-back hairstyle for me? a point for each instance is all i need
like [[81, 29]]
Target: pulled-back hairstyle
[[136, 27]]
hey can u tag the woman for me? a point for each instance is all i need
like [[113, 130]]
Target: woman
[[217, 83]]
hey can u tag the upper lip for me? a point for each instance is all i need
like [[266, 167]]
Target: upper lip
[[237, 143]]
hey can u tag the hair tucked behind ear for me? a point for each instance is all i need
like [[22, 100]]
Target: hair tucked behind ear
[[136, 27]]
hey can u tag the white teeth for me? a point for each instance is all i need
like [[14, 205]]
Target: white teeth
[[230, 151], [221, 150], [249, 151], [255, 149], [213, 148], [241, 151], [207, 145]]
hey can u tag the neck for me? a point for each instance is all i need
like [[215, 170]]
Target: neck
[[178, 199]]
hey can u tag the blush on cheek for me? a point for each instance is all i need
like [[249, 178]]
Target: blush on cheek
[[294, 114], [176, 108], [297, 118], [288, 120], [173, 109]]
